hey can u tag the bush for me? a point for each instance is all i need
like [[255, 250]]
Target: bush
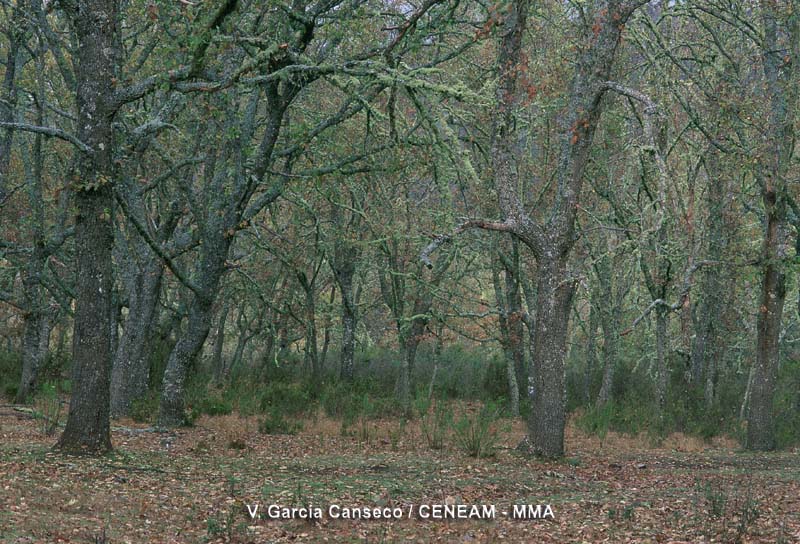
[[287, 398], [787, 405], [145, 409], [475, 434], [214, 405], [276, 423], [10, 369]]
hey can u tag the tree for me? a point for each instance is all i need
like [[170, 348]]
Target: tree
[[552, 238], [87, 429], [780, 60]]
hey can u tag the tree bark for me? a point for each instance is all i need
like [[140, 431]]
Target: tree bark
[[551, 240], [219, 342], [505, 338], [591, 349], [781, 87], [548, 414], [172, 408], [662, 371], [130, 374], [211, 268], [706, 348], [349, 322], [88, 429]]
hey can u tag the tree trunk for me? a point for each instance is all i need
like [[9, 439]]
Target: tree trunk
[[35, 321], [348, 338], [219, 342], [130, 374], [405, 388], [181, 358], [760, 423], [8, 104], [516, 327], [506, 340], [609, 364], [88, 429], [591, 350], [781, 84], [31, 361], [241, 343], [661, 360], [311, 355], [706, 347], [548, 414], [211, 268]]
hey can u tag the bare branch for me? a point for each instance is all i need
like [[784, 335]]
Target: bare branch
[[49, 131]]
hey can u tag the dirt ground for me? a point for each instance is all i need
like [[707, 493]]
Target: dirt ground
[[200, 484]]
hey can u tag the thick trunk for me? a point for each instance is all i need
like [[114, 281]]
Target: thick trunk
[[88, 428], [131, 371], [183, 355], [781, 74], [548, 413]]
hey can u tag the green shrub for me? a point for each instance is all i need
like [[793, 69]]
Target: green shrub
[[475, 434], [787, 405], [10, 369], [276, 423], [288, 398], [215, 406], [145, 409]]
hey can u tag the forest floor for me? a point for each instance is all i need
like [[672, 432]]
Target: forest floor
[[195, 485]]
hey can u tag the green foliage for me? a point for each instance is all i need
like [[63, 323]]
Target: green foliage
[[633, 409], [276, 423], [145, 409], [214, 405], [475, 433], [10, 369], [787, 405], [287, 398]]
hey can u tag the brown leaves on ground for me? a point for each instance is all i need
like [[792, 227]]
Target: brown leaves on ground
[[194, 485]]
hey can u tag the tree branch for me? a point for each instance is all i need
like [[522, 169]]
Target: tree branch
[[441, 239], [49, 131]]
